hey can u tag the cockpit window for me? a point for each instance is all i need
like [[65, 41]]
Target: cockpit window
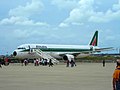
[[21, 48]]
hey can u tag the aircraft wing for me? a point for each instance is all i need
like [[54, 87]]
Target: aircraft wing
[[86, 53], [103, 49]]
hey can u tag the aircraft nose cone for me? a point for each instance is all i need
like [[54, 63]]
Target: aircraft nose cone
[[14, 53]]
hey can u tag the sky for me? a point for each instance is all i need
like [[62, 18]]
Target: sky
[[58, 22]]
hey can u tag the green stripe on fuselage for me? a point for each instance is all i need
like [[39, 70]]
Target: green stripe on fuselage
[[60, 50]]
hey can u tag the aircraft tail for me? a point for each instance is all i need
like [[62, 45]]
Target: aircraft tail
[[94, 41]]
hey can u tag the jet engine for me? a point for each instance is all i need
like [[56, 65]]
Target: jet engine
[[68, 57]]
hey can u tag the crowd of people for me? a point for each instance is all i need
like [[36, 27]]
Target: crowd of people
[[5, 62], [37, 62]]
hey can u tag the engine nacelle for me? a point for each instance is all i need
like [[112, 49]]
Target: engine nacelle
[[68, 57]]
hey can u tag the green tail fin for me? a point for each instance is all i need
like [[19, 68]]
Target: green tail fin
[[94, 41]]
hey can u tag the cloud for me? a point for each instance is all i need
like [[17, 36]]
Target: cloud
[[116, 6], [27, 34], [65, 4], [21, 21], [85, 12], [108, 16], [63, 25], [36, 35], [21, 15], [81, 13], [35, 7], [22, 34]]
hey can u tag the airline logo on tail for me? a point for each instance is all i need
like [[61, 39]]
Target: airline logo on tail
[[94, 41]]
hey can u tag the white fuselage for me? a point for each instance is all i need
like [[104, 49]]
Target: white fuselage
[[56, 51]]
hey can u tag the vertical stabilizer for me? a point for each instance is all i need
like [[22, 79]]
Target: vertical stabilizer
[[94, 41]]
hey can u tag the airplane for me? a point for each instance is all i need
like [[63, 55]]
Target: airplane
[[54, 51]]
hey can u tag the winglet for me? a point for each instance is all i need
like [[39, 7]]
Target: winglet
[[94, 41]]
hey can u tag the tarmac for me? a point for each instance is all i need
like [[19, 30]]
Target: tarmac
[[85, 76]]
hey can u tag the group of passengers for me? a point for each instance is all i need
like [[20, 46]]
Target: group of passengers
[[43, 62], [5, 62]]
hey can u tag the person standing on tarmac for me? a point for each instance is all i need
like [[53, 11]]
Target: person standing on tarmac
[[0, 63], [103, 63], [26, 62], [116, 77], [68, 62], [50, 63]]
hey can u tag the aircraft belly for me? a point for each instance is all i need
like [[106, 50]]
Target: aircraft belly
[[82, 55], [28, 55], [55, 55]]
